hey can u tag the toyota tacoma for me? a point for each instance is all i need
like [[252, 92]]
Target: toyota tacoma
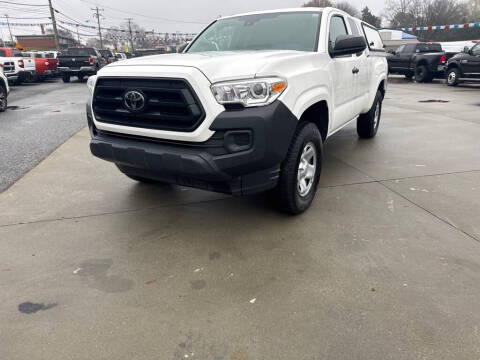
[[246, 107]]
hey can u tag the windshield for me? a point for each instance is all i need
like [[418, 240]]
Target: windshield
[[105, 52], [274, 31]]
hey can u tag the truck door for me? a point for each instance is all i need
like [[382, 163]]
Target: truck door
[[394, 59], [471, 63], [405, 57], [343, 72]]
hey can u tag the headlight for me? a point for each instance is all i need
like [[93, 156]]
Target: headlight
[[91, 83], [255, 92]]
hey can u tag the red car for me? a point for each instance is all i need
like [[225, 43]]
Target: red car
[[52, 60]]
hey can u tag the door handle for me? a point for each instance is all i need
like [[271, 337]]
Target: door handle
[[355, 70]]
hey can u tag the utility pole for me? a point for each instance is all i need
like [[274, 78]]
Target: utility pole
[[78, 36], [1, 37], [97, 14], [9, 30], [130, 31], [54, 23]]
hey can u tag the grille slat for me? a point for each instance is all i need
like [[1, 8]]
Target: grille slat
[[171, 104]]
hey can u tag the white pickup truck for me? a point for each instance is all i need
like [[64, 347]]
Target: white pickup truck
[[17, 68], [246, 107]]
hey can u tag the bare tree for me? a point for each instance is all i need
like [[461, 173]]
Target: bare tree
[[347, 7], [318, 3]]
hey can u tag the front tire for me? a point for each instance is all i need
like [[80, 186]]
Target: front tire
[[367, 124], [3, 99], [452, 77], [300, 171]]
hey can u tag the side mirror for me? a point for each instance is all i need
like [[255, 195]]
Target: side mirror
[[348, 45], [466, 50]]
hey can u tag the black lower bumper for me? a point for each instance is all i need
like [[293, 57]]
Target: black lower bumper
[[242, 157], [85, 70]]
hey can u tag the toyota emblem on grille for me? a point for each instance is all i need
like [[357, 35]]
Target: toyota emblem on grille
[[134, 101]]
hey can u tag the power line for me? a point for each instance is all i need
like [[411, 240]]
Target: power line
[[147, 16], [16, 3], [29, 18], [78, 33]]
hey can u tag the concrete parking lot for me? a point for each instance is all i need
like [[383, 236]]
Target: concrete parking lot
[[385, 265]]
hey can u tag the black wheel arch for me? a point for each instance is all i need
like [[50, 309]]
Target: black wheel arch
[[319, 115]]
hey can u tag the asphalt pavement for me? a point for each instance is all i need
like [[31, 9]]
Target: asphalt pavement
[[385, 264], [41, 116]]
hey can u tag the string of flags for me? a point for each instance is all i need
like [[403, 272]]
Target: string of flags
[[119, 34], [442, 27]]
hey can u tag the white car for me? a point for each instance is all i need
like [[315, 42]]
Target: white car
[[246, 107], [4, 90], [120, 56]]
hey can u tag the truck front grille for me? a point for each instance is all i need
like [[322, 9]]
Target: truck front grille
[[8, 67], [164, 104]]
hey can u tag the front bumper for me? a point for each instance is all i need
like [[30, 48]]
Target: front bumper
[[242, 157]]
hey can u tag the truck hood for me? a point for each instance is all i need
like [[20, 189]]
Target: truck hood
[[216, 66]]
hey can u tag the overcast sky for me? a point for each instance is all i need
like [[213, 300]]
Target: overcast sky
[[161, 15]]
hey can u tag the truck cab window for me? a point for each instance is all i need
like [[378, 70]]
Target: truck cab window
[[374, 40], [476, 50], [400, 49], [353, 26], [409, 49], [337, 28]]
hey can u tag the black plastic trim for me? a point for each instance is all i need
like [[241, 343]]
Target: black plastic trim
[[191, 164]]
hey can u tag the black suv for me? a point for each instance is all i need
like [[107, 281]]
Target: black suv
[[464, 67]]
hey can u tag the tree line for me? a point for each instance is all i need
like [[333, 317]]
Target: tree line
[[410, 13]]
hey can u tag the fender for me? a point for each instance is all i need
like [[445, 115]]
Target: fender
[[310, 97]]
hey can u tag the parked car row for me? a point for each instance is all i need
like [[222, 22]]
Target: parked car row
[[17, 67], [426, 61], [29, 66]]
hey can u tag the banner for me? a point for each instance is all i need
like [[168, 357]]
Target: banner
[[442, 27]]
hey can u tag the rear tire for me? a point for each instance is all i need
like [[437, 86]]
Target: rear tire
[[66, 78], [3, 99], [80, 77], [300, 171], [367, 124], [422, 74], [20, 79], [452, 77]]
